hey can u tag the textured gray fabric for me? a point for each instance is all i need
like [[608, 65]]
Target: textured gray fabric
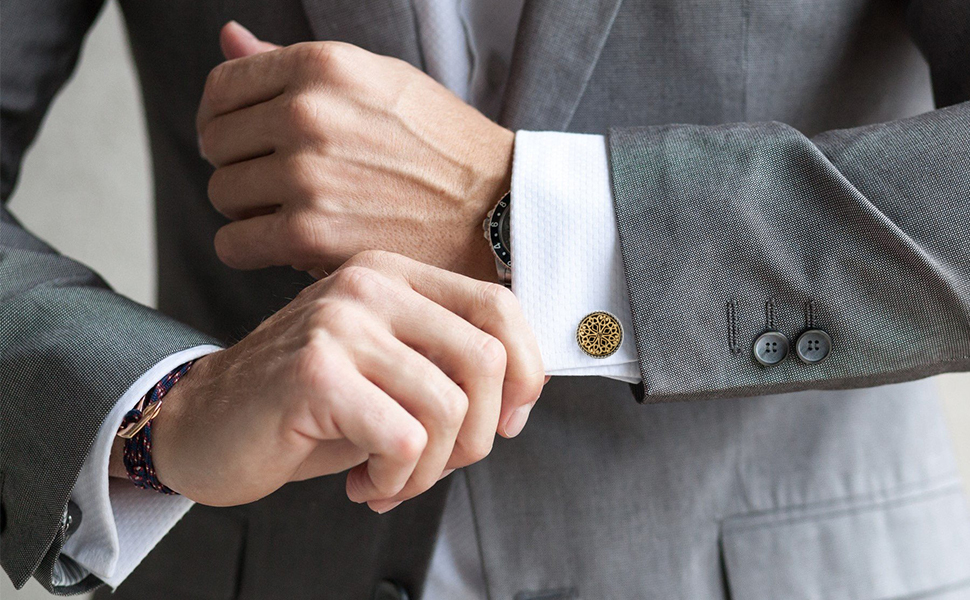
[[871, 225], [620, 500], [911, 530], [600, 497]]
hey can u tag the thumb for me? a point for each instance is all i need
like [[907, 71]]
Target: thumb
[[237, 42]]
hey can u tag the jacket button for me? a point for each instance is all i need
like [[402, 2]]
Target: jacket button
[[813, 346], [770, 348], [389, 590], [70, 519]]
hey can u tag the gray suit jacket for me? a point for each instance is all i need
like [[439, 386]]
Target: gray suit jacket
[[853, 207]]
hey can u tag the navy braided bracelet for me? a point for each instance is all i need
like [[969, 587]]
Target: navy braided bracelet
[[136, 427]]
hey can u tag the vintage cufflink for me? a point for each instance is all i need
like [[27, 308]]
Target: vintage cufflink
[[599, 334]]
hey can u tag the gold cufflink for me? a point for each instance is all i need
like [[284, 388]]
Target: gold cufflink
[[599, 334]]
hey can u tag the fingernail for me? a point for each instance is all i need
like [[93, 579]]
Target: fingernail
[[446, 473], [383, 507], [516, 422], [198, 144]]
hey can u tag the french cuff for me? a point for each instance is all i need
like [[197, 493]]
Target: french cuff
[[566, 250], [121, 523]]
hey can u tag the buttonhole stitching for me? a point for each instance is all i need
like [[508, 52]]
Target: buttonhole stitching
[[732, 315], [770, 312], [810, 314]]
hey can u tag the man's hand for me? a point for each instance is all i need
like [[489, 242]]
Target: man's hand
[[323, 150], [400, 370]]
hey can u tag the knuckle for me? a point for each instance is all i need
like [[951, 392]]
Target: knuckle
[[489, 354], [215, 189], [208, 137], [328, 60], [451, 404], [356, 487], [408, 443], [418, 485], [471, 450], [388, 488], [315, 366], [304, 234], [498, 299], [358, 281], [315, 56], [374, 259], [302, 112], [214, 91], [225, 246], [305, 180]]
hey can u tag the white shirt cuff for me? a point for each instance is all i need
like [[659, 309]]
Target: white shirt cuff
[[121, 523], [566, 249]]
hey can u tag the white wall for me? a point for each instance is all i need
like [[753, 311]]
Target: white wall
[[85, 188]]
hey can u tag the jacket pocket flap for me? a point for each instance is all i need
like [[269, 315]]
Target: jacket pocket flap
[[883, 548]]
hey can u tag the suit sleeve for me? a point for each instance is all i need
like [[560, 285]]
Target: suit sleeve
[[729, 231], [69, 346]]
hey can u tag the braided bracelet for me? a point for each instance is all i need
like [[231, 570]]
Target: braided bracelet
[[136, 428]]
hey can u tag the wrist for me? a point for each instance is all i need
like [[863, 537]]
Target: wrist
[[168, 425], [494, 183], [497, 173], [165, 427]]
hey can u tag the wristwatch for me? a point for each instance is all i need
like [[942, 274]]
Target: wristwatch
[[497, 226]]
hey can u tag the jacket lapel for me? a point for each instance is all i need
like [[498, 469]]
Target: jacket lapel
[[556, 49], [381, 26]]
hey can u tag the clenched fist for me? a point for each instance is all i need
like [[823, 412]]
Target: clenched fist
[[323, 149], [394, 369]]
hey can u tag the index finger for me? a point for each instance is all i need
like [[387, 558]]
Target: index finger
[[243, 82]]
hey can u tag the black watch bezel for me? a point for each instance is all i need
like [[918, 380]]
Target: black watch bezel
[[500, 246]]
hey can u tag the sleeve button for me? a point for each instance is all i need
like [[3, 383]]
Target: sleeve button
[[70, 519], [813, 346], [770, 348]]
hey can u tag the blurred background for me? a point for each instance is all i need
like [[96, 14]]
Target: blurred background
[[86, 189]]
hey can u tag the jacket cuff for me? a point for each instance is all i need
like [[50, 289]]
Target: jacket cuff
[[731, 231], [122, 523], [61, 377]]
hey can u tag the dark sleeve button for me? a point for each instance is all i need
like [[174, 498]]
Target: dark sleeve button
[[389, 590], [813, 346], [70, 519], [770, 348]]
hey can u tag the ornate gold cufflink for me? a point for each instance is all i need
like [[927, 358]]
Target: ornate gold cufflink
[[599, 334]]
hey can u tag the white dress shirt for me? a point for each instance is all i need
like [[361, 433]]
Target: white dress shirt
[[567, 264]]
